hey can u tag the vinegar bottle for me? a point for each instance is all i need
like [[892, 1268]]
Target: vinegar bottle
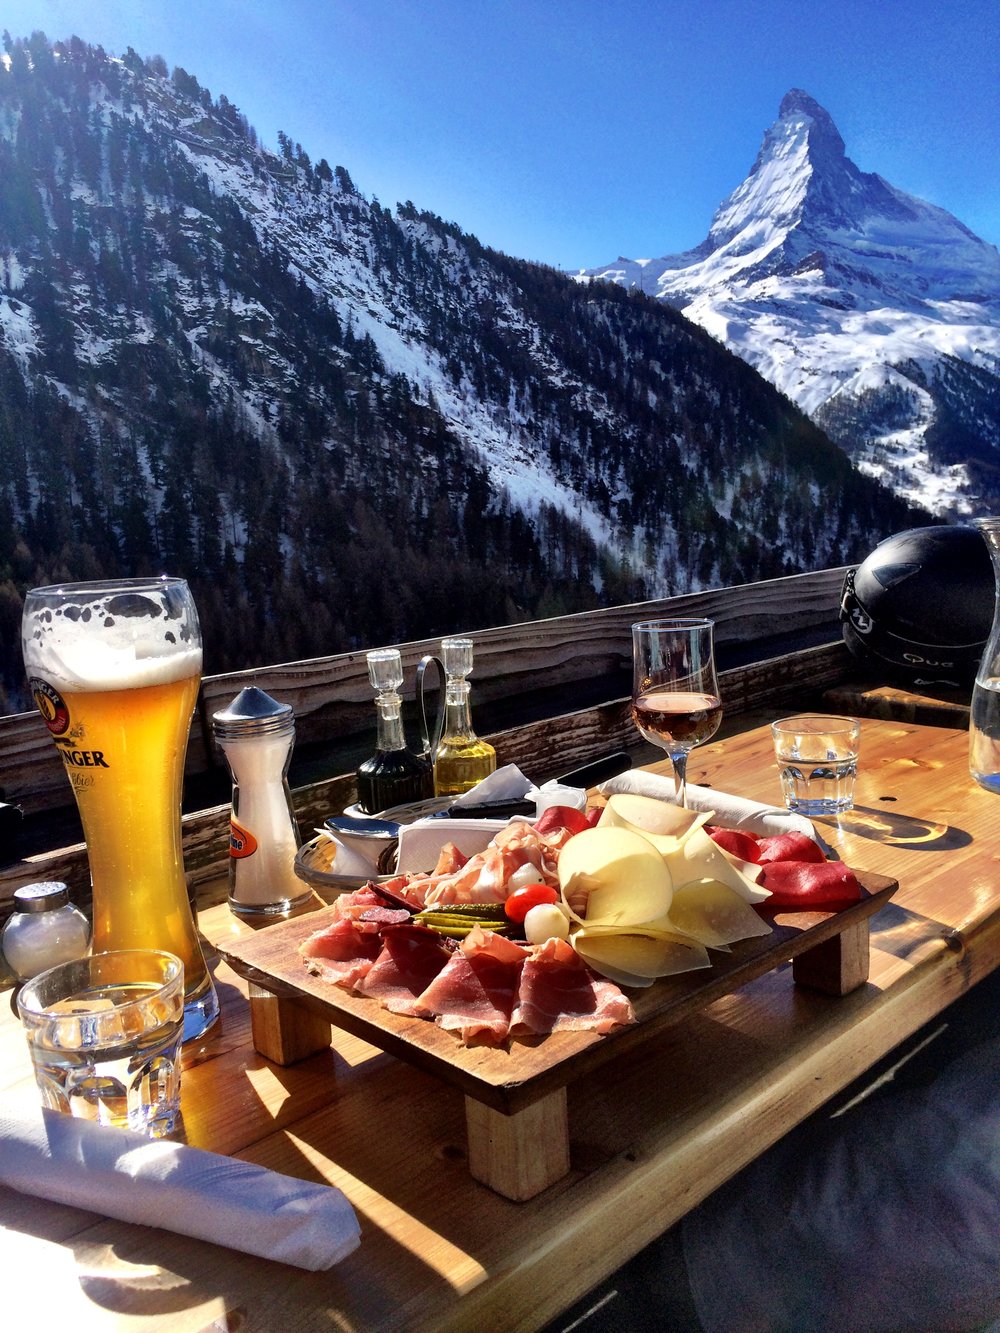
[[394, 775], [461, 759]]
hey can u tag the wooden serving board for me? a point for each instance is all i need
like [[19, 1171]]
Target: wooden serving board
[[516, 1095]]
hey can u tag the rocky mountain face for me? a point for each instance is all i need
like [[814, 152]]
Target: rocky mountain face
[[348, 426], [877, 313]]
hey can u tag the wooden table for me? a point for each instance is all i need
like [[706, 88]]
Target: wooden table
[[650, 1136]]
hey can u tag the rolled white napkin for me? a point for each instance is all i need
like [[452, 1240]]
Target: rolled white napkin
[[734, 812], [121, 1174]]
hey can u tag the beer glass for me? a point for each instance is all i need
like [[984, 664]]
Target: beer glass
[[114, 669]]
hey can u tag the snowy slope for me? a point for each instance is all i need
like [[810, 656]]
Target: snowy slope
[[848, 294]]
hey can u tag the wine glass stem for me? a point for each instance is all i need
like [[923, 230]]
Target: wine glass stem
[[679, 760]]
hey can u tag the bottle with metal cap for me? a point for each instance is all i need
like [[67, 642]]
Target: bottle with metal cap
[[256, 734], [45, 929]]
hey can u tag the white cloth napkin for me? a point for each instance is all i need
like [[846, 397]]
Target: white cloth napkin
[[510, 784], [734, 812], [121, 1174]]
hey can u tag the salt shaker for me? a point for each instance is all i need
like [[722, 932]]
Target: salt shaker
[[256, 734], [45, 929]]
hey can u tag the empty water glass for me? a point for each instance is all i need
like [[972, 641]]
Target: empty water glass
[[817, 758]]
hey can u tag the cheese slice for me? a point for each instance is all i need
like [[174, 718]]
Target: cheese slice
[[714, 913], [700, 858], [614, 877], [644, 952]]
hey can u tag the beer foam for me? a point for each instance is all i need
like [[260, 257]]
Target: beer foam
[[125, 654]]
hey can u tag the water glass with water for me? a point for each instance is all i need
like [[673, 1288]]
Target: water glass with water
[[817, 757], [105, 1035]]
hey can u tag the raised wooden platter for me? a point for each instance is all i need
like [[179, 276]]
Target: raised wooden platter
[[516, 1095]]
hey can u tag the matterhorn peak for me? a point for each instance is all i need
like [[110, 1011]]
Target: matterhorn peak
[[877, 312], [798, 107]]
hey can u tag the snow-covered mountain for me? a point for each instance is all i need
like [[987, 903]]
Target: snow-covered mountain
[[346, 425], [876, 312]]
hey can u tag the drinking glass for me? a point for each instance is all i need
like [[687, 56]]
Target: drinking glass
[[817, 758], [675, 691], [114, 670], [105, 1035]]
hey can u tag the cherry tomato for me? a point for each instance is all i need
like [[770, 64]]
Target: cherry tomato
[[521, 901]]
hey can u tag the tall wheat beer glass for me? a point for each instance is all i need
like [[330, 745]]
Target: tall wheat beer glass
[[114, 671]]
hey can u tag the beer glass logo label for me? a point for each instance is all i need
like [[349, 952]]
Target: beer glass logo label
[[50, 704], [241, 841]]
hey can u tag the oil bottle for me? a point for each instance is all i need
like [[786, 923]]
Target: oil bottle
[[393, 775], [461, 759]]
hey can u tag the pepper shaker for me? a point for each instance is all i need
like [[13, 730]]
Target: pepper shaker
[[256, 734]]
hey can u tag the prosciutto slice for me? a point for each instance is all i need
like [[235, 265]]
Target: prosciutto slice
[[342, 952], [411, 959], [476, 992], [559, 993], [484, 877]]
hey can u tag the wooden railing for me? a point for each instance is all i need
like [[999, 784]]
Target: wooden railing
[[533, 676]]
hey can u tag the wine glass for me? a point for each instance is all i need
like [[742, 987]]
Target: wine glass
[[675, 691]]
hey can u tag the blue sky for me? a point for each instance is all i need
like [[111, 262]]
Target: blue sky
[[572, 131]]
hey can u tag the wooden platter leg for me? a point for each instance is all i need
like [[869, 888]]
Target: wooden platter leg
[[837, 965], [283, 1030], [519, 1155]]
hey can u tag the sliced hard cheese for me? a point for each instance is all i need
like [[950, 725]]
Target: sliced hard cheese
[[714, 913], [699, 858], [613, 877], [637, 956], [662, 823]]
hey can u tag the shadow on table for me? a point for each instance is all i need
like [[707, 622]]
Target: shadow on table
[[900, 830]]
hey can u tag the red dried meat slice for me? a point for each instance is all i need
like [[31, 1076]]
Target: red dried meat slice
[[411, 959], [341, 952], [558, 817], [736, 842], [560, 993], [789, 847], [801, 886], [476, 992]]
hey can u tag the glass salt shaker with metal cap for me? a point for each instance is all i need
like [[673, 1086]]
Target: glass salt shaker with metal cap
[[45, 929], [256, 733]]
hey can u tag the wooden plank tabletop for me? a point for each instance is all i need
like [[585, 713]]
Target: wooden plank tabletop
[[651, 1134]]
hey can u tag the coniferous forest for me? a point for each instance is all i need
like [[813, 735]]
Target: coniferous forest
[[346, 425]]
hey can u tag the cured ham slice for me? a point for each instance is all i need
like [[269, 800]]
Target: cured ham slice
[[802, 886], [484, 877], [411, 959], [559, 993], [342, 952], [476, 992], [449, 860]]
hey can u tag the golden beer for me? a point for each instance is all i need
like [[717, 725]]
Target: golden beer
[[114, 671]]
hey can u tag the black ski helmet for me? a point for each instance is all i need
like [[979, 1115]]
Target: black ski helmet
[[921, 605]]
